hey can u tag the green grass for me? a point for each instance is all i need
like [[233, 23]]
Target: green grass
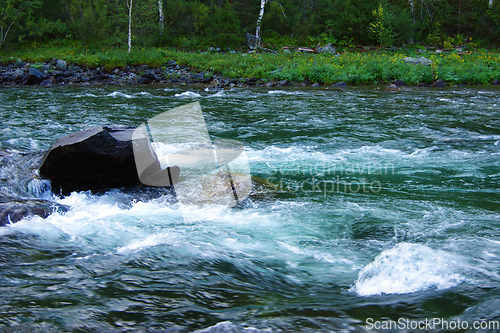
[[350, 67]]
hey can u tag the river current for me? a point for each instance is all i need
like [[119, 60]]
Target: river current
[[368, 206]]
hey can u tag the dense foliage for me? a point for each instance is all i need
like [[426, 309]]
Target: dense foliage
[[198, 24], [478, 67]]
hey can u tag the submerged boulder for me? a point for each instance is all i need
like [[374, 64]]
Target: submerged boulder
[[14, 209], [95, 159]]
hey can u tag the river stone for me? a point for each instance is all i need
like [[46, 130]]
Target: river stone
[[424, 61], [61, 65], [393, 87], [14, 209], [95, 159], [399, 83], [18, 74], [411, 60], [171, 63], [439, 84], [34, 76], [328, 48], [340, 84]]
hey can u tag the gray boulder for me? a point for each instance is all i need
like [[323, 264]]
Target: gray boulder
[[61, 65], [424, 61], [18, 74], [340, 84], [251, 41], [439, 84], [410, 60], [34, 76], [328, 48], [171, 63], [420, 61]]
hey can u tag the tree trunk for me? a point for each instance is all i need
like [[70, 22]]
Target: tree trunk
[[129, 25], [412, 6], [3, 36], [490, 3], [162, 17], [259, 21]]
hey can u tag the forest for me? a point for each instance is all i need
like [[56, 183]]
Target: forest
[[200, 24]]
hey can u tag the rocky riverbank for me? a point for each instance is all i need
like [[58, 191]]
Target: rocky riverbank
[[57, 73], [416, 72]]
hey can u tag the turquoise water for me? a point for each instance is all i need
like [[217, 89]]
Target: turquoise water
[[367, 205]]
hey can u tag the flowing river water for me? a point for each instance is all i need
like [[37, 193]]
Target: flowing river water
[[371, 205]]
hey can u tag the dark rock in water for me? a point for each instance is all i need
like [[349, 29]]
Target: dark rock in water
[[95, 159], [340, 84], [14, 209], [34, 76], [393, 88], [316, 84], [399, 83], [496, 83], [143, 80], [439, 84]]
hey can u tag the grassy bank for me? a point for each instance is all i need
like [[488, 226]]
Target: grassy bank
[[351, 67]]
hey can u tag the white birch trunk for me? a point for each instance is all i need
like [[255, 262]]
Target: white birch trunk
[[162, 17], [412, 6], [129, 25], [259, 21]]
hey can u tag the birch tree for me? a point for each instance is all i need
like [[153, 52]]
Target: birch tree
[[161, 16], [10, 11], [129, 4], [259, 21]]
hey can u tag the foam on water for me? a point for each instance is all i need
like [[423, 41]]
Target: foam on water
[[408, 268], [220, 93], [118, 94], [287, 92], [188, 94], [227, 326]]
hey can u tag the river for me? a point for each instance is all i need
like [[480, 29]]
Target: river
[[376, 206]]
